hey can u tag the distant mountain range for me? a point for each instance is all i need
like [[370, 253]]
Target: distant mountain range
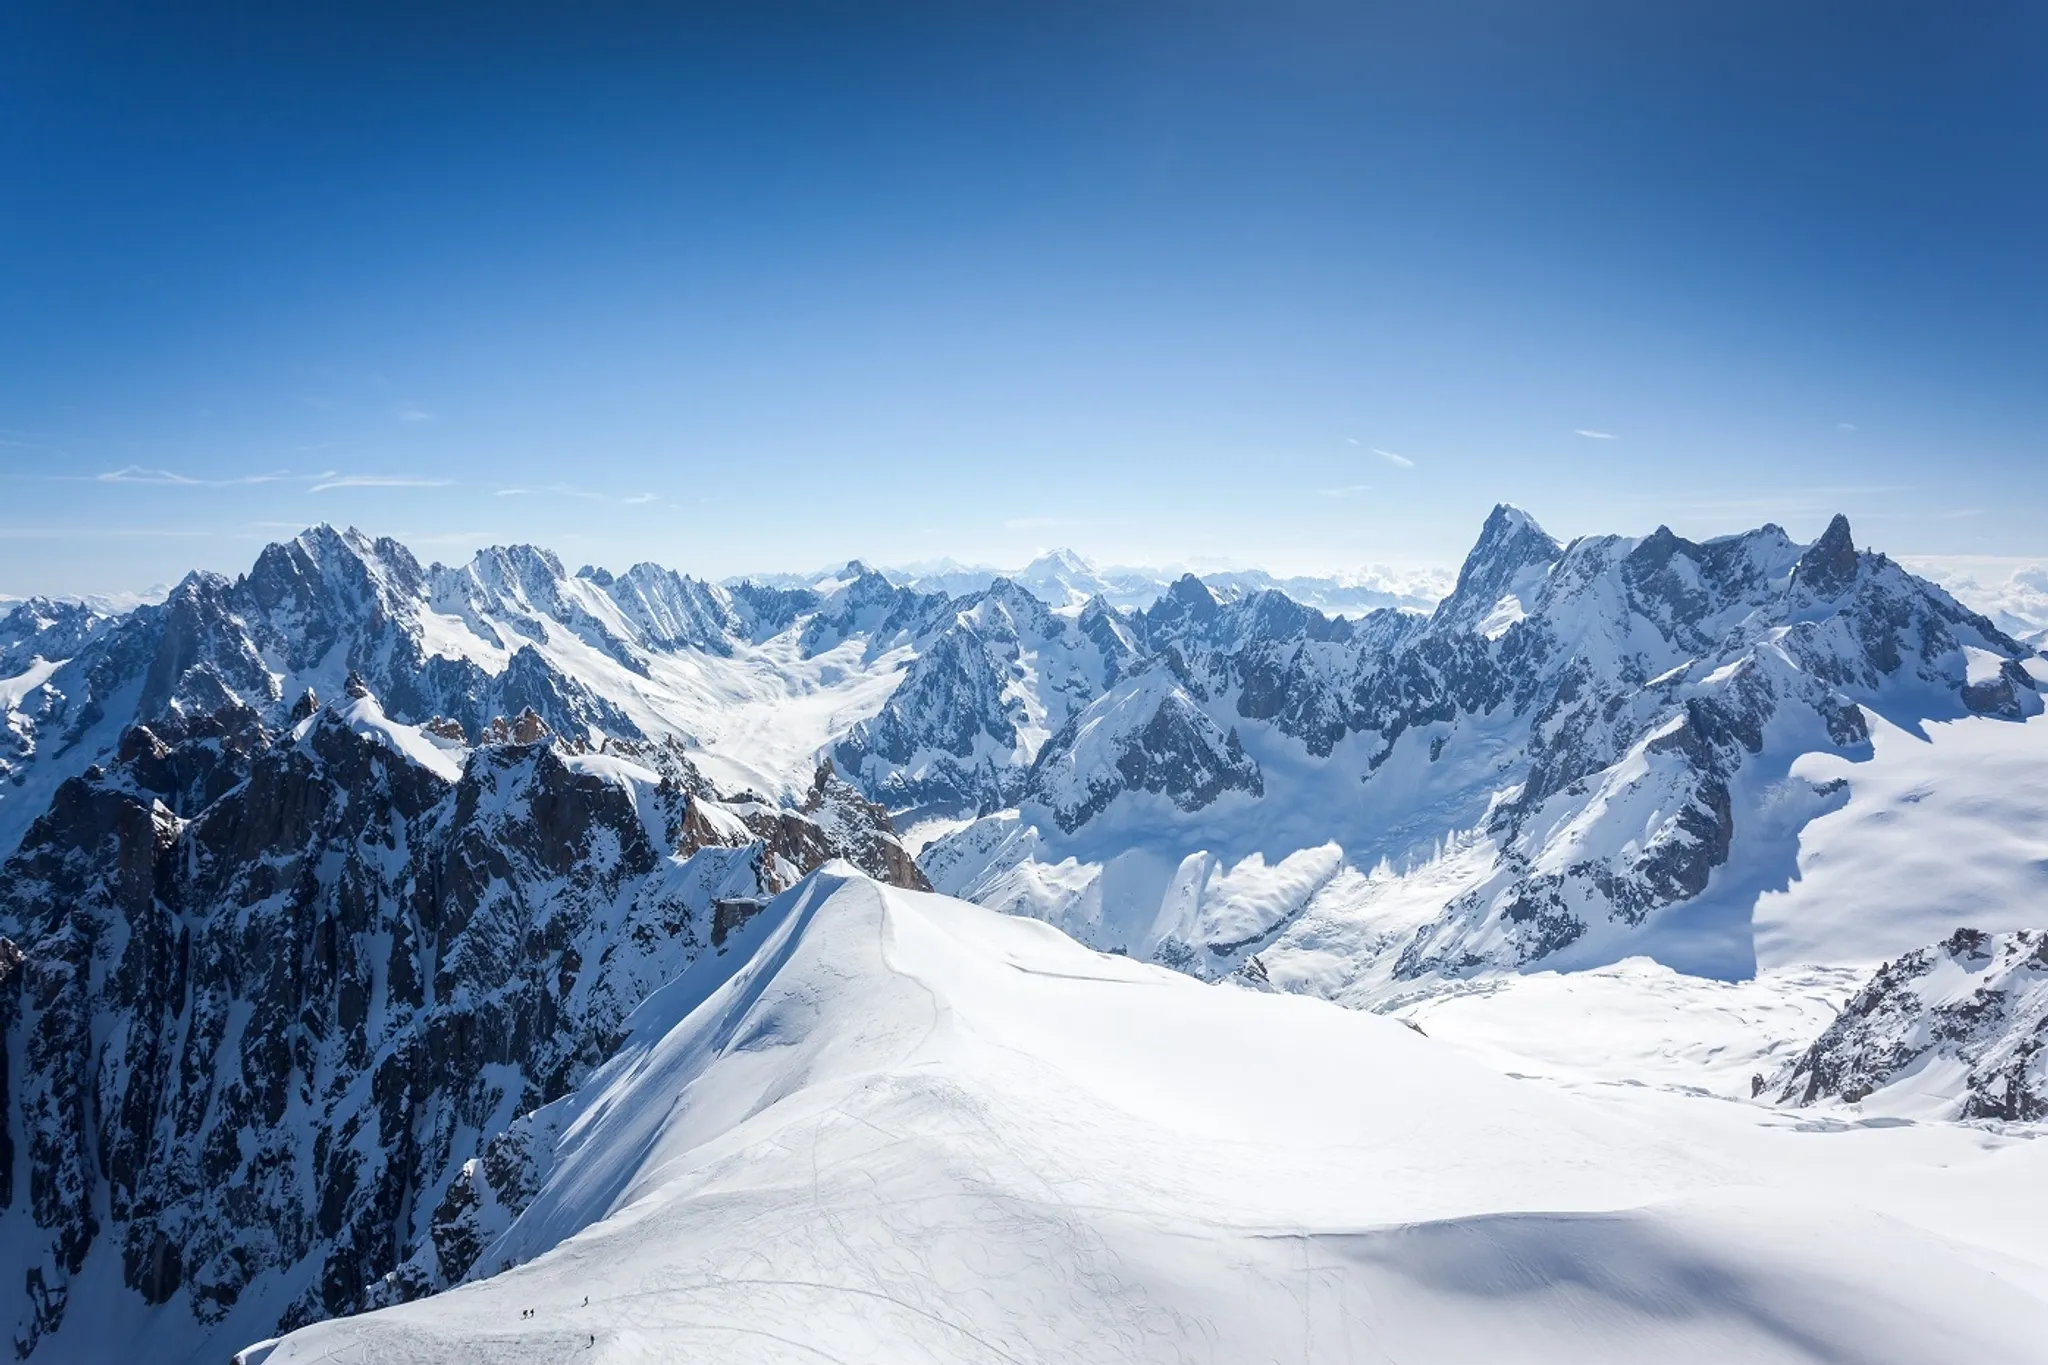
[[325, 882], [1062, 578]]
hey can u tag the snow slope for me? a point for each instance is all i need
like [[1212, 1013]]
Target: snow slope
[[904, 1128]]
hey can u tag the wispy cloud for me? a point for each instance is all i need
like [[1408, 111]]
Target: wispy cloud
[[1398, 461], [1349, 490], [136, 473], [378, 481], [1845, 426], [412, 412], [563, 490], [1594, 435]]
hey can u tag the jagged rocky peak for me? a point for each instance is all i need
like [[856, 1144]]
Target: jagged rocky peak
[[528, 727], [1193, 596], [48, 629], [322, 570], [270, 994], [1958, 1029], [527, 567], [860, 829], [1148, 735], [1061, 560], [1510, 545], [1187, 610], [1828, 567]]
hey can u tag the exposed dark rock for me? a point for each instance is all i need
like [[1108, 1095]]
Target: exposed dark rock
[[1976, 1001], [278, 1033]]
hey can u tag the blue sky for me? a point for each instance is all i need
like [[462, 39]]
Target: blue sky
[[1300, 285]]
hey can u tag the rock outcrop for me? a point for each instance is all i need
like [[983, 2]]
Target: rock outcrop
[[1958, 1029], [273, 991]]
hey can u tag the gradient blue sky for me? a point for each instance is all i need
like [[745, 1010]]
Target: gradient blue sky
[[1157, 281]]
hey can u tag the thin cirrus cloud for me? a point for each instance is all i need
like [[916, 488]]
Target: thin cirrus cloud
[[561, 490], [1349, 490], [327, 481], [1594, 435], [330, 479], [1398, 461], [413, 413], [136, 473]]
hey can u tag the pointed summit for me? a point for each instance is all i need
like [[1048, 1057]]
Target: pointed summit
[[1829, 564], [1193, 594], [1508, 543], [1061, 560]]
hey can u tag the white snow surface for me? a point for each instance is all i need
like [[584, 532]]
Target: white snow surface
[[365, 716], [1845, 861], [894, 1127]]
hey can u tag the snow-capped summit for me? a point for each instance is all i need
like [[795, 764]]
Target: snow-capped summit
[[1602, 730], [1506, 564], [1063, 578]]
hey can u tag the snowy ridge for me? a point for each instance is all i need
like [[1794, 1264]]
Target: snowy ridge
[[815, 1151]]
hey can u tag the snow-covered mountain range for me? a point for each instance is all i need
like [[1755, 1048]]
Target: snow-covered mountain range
[[1063, 578], [359, 913]]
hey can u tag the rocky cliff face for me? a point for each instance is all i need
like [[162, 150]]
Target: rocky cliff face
[[1596, 706], [1958, 1029], [1664, 668], [1001, 671], [268, 990]]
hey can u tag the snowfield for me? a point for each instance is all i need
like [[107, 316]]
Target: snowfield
[[887, 1126]]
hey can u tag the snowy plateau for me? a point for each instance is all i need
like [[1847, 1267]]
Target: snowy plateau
[[1630, 949]]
